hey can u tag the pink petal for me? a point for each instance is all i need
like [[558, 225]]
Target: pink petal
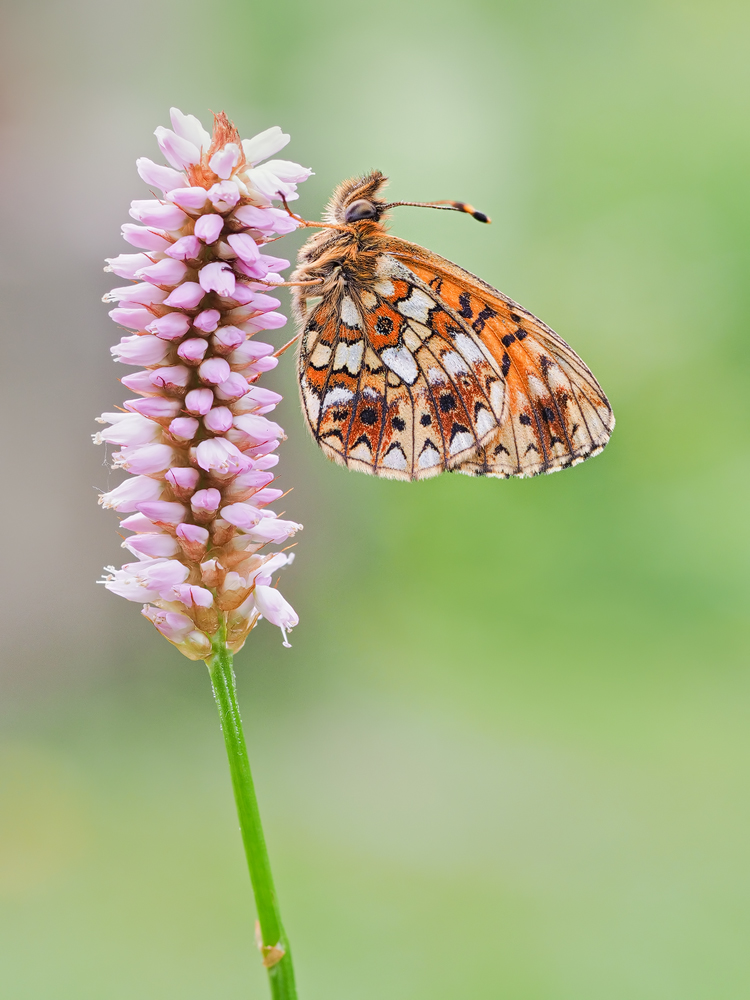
[[185, 296], [218, 420], [178, 151], [206, 500], [164, 272], [133, 318], [215, 370], [126, 264], [147, 350], [184, 428], [244, 246], [193, 198], [225, 160], [129, 494], [155, 213], [207, 321], [144, 239], [264, 144], [186, 248], [172, 326], [199, 401], [217, 277], [208, 228], [224, 195], [189, 127], [156, 175]]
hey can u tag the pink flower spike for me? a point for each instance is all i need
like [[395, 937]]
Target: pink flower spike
[[206, 500], [126, 264], [158, 176], [199, 401], [227, 338], [192, 533], [208, 228], [186, 248], [225, 160], [234, 388], [163, 511], [214, 371], [185, 296], [244, 246], [242, 515], [207, 321], [144, 239], [217, 277], [146, 350], [153, 546], [129, 494], [156, 213], [164, 272], [218, 420], [276, 610], [183, 482], [134, 318], [191, 198], [184, 428], [156, 407], [178, 151], [224, 195], [264, 144], [192, 350], [189, 127], [172, 326]]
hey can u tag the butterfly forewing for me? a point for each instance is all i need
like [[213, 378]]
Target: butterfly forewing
[[410, 366], [557, 413]]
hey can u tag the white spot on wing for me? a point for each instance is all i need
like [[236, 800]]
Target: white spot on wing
[[335, 396], [349, 356], [368, 300], [395, 459], [417, 306], [402, 363], [429, 458], [313, 405], [435, 376], [485, 421], [389, 267], [384, 288], [461, 442], [320, 356], [454, 363], [349, 313], [468, 348], [362, 452]]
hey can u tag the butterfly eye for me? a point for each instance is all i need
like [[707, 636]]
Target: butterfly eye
[[361, 209]]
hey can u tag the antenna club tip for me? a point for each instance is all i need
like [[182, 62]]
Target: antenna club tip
[[481, 217]]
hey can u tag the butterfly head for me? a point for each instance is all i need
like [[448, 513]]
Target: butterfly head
[[357, 200]]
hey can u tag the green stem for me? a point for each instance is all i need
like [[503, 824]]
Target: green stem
[[280, 974]]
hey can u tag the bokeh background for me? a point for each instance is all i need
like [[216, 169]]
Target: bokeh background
[[508, 753]]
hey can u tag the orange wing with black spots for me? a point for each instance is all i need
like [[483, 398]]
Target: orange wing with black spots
[[557, 414]]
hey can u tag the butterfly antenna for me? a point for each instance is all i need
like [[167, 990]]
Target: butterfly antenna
[[446, 206]]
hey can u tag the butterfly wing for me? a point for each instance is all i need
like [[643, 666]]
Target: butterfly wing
[[423, 368], [556, 413], [391, 384]]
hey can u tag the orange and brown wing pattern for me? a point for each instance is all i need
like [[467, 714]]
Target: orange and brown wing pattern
[[556, 412], [392, 382]]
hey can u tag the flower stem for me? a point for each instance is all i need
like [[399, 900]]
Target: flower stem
[[273, 941]]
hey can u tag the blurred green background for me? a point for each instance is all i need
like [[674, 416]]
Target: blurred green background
[[508, 754]]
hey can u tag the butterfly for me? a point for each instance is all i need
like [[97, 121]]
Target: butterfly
[[410, 366]]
